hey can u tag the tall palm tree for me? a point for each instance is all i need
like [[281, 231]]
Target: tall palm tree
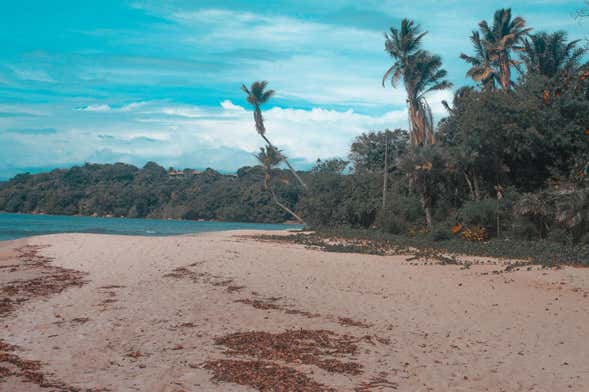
[[269, 157], [257, 95], [401, 44], [550, 55], [482, 69], [500, 39], [421, 73]]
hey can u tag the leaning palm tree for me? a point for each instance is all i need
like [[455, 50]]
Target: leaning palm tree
[[257, 95], [421, 73], [500, 39], [550, 55], [482, 69], [269, 157]]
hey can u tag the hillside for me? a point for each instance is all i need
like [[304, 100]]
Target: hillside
[[124, 190]]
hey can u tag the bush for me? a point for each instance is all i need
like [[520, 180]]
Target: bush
[[393, 224], [479, 213], [560, 235], [525, 230], [440, 233], [402, 212]]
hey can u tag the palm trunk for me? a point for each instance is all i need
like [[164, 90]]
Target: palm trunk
[[284, 207], [415, 124], [292, 170], [427, 209], [386, 172], [505, 73]]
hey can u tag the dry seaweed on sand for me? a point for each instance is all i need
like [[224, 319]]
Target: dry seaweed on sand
[[320, 348], [264, 376]]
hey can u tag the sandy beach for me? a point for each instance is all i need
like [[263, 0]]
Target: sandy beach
[[170, 313]]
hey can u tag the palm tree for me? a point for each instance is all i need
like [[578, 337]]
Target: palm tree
[[269, 157], [257, 95], [422, 76], [550, 55], [501, 39], [421, 73], [482, 70], [401, 44]]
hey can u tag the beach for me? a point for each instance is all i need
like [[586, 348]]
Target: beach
[[130, 313]]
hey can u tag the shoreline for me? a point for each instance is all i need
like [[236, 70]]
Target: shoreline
[[288, 222], [156, 312]]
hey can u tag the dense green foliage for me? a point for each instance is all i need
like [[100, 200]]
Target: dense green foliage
[[510, 161], [124, 190]]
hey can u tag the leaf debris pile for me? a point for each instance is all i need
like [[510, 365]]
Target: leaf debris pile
[[309, 347], [264, 376]]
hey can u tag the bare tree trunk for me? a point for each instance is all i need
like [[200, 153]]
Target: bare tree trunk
[[386, 172], [427, 209], [470, 187], [284, 207], [477, 191], [292, 170]]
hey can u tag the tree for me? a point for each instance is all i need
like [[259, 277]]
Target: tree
[[500, 39], [421, 73], [377, 152], [368, 149], [425, 168], [257, 95], [269, 157], [550, 55], [482, 70]]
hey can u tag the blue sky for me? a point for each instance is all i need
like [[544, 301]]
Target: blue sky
[[106, 81]]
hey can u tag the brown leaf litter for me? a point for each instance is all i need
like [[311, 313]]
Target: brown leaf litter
[[46, 280], [264, 376], [309, 347]]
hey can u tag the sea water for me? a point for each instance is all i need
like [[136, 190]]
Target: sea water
[[14, 226]]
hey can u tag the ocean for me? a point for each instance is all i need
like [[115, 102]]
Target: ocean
[[13, 226]]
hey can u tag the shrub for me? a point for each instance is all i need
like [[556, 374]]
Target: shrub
[[525, 230], [479, 213], [560, 235], [440, 233], [393, 224], [402, 213]]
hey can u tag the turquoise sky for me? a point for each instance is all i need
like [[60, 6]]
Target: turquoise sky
[[107, 81]]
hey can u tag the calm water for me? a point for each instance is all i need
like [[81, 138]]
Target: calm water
[[14, 226]]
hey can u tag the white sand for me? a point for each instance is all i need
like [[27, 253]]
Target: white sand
[[450, 329]]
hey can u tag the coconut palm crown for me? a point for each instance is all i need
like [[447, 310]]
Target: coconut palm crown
[[481, 70], [550, 55], [504, 36], [257, 95], [270, 157]]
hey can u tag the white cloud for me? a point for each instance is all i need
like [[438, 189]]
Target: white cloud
[[302, 134], [96, 108], [35, 75], [108, 108]]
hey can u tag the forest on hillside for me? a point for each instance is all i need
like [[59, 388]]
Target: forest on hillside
[[123, 190]]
